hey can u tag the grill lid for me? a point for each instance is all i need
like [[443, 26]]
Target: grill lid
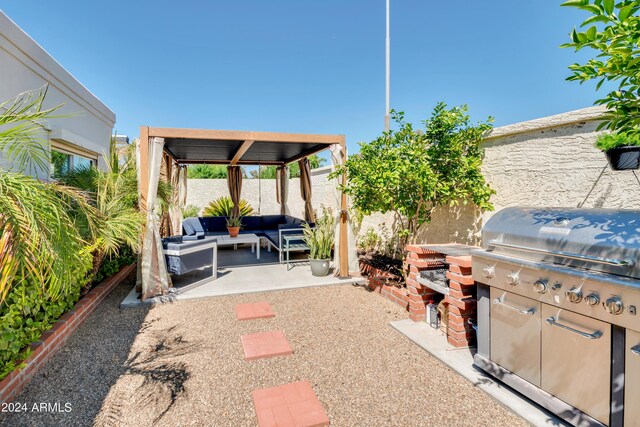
[[605, 240]]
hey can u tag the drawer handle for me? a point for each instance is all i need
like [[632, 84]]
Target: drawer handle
[[529, 311], [593, 336], [636, 350]]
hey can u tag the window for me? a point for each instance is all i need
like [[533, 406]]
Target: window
[[63, 162]]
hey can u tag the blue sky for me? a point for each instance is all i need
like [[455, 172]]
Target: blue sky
[[310, 66]]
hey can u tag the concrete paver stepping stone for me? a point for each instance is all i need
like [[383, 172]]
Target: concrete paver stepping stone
[[257, 310], [265, 344], [294, 404]]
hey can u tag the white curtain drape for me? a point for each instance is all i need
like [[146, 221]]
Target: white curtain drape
[[154, 277], [175, 212], [282, 188], [182, 189], [338, 158]]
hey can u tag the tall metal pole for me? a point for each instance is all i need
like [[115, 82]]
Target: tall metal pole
[[388, 74]]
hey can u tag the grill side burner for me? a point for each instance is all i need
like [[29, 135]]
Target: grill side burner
[[558, 293]]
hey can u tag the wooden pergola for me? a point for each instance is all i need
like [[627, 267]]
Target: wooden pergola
[[229, 147]]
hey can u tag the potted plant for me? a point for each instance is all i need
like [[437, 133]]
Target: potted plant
[[622, 150], [234, 224], [320, 240]]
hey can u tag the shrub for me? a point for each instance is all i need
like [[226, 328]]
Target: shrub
[[190, 211], [29, 310], [370, 240], [223, 207], [607, 141]]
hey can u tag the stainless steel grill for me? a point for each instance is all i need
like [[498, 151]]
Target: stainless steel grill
[[558, 296]]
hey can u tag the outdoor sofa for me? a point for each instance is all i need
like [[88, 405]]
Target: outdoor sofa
[[184, 255], [271, 227]]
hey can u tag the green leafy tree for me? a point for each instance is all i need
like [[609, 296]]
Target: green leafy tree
[[613, 32], [207, 172], [269, 172], [410, 172]]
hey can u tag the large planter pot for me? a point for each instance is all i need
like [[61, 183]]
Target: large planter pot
[[320, 267], [624, 158], [233, 231]]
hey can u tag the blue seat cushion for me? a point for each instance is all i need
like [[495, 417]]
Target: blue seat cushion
[[214, 223], [271, 222], [273, 237], [251, 223], [189, 225]]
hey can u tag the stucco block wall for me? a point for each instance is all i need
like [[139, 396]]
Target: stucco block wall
[[556, 166], [200, 192], [25, 65], [548, 162]]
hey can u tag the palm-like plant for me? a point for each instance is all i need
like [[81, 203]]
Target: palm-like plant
[[223, 206], [21, 137], [38, 239], [115, 221]]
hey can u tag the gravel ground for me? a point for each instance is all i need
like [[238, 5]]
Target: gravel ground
[[182, 364]]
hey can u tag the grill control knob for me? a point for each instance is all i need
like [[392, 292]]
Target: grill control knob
[[614, 305], [574, 295], [489, 272], [592, 299], [540, 286], [513, 279]]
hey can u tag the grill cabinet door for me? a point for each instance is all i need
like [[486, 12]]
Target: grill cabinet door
[[515, 334], [576, 360], [632, 380]]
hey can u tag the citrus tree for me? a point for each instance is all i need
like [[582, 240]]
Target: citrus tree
[[613, 33], [411, 172]]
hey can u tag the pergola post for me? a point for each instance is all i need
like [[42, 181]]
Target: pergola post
[[344, 246]]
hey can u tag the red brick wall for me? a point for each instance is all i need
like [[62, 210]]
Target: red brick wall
[[462, 304], [53, 339], [393, 293]]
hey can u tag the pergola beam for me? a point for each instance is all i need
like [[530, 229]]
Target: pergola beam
[[243, 149], [226, 162], [233, 135]]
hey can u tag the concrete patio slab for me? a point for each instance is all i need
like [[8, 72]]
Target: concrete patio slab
[[239, 272], [257, 310], [294, 404], [265, 344], [461, 361]]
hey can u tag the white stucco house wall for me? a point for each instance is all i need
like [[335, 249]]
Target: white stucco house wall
[[80, 137]]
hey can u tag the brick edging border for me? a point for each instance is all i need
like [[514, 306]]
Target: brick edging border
[[53, 339]]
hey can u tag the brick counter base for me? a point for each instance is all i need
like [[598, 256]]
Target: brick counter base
[[460, 302], [53, 339]]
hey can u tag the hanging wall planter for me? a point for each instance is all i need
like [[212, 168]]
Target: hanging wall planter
[[624, 158], [622, 150]]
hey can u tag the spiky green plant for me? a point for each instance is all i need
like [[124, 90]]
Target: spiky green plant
[[234, 221], [223, 207], [320, 238]]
